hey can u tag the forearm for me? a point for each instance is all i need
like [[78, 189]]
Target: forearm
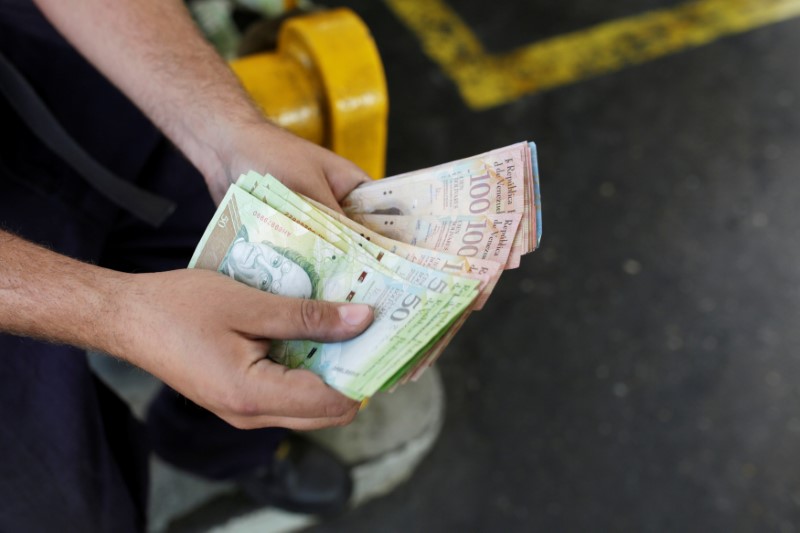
[[163, 323], [152, 51], [50, 296]]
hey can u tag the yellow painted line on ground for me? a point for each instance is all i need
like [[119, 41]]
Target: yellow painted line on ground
[[487, 80]]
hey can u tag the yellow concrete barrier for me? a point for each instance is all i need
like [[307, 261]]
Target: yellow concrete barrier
[[325, 82]]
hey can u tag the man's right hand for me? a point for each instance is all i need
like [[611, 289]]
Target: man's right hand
[[207, 336], [203, 334]]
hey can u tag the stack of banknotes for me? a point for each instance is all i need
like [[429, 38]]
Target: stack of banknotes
[[424, 249]]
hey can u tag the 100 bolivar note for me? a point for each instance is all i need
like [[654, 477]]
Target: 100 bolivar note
[[502, 181]]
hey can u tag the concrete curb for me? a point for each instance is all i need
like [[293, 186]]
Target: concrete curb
[[384, 445]]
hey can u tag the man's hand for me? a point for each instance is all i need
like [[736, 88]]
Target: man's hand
[[185, 327], [207, 336], [152, 51], [202, 333], [301, 165]]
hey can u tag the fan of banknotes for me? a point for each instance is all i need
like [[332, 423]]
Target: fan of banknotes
[[424, 249]]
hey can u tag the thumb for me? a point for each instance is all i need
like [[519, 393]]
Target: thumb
[[344, 176], [294, 318]]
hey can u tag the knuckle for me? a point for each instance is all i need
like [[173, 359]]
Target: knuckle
[[237, 422], [312, 314], [338, 409], [239, 405], [341, 421], [347, 419]]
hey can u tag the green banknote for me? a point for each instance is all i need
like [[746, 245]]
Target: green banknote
[[292, 205], [321, 220], [487, 272], [258, 245], [275, 194]]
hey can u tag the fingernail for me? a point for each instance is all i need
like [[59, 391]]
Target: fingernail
[[353, 314]]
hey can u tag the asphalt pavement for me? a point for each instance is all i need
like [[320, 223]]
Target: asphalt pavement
[[641, 370]]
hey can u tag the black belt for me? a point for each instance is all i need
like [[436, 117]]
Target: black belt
[[145, 205]]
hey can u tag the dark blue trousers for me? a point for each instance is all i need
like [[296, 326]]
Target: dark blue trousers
[[72, 457]]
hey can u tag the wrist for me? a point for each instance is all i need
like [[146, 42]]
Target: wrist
[[237, 147], [213, 144], [108, 324], [132, 312]]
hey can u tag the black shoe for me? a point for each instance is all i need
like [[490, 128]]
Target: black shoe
[[304, 478]]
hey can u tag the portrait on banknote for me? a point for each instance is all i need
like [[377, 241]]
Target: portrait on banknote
[[269, 268]]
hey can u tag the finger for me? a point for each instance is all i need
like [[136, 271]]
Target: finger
[[274, 390], [262, 401], [270, 390], [296, 424], [319, 191], [309, 405], [303, 403], [344, 176], [280, 317]]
